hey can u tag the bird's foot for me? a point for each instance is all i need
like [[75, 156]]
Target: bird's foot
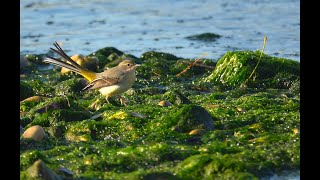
[[122, 101]]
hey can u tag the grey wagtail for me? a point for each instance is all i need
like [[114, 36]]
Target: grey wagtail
[[110, 82]]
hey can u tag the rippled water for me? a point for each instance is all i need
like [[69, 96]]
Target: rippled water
[[143, 25]]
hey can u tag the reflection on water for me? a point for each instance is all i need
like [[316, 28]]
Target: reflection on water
[[143, 25]]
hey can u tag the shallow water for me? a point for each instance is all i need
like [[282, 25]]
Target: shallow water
[[135, 27]]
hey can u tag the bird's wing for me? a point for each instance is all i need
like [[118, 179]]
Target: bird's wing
[[108, 78]]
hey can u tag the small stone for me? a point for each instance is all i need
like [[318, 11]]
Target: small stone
[[164, 103], [196, 132], [41, 171], [239, 109], [33, 99], [35, 132]]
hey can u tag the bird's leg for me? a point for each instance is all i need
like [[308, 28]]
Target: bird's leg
[[107, 99], [122, 101], [94, 105]]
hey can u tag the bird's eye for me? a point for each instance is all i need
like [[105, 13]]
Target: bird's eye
[[128, 64]]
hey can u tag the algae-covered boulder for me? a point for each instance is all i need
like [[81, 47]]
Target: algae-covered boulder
[[70, 87], [25, 90], [35, 58], [156, 64], [191, 117], [235, 67], [176, 97], [106, 55], [39, 170]]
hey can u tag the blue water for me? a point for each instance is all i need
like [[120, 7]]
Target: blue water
[[134, 27]]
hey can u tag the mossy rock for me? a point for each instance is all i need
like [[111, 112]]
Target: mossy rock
[[35, 59], [106, 55], [176, 97], [156, 64], [25, 90], [40, 171], [235, 67], [207, 37], [191, 117], [71, 87]]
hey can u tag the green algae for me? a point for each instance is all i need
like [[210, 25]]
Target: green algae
[[106, 55], [250, 132], [235, 67], [25, 90]]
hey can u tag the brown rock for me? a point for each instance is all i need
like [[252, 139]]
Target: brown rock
[[164, 103], [35, 132], [33, 99]]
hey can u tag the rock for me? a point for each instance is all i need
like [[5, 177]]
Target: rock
[[156, 64], [89, 62], [25, 90], [164, 103], [33, 99], [191, 117], [176, 97], [41, 171], [196, 132], [106, 55], [21, 130], [24, 62], [35, 59], [35, 132], [234, 68], [207, 37], [57, 130], [70, 87]]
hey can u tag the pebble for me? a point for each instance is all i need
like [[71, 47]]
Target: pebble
[[164, 103], [35, 132]]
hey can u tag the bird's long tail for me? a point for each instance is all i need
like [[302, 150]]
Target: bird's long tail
[[73, 66]]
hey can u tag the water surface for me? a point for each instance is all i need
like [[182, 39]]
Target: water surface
[[143, 25]]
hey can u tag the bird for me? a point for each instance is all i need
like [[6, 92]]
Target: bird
[[111, 82]]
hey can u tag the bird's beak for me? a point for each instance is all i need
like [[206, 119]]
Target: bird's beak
[[137, 65]]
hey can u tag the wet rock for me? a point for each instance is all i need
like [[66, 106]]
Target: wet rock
[[33, 99], [35, 132], [70, 87], [25, 90], [40, 171], [156, 64], [21, 130], [176, 97], [66, 172], [207, 37], [57, 130], [24, 62], [104, 53], [196, 132], [52, 105], [35, 59], [192, 117], [234, 68], [164, 103]]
